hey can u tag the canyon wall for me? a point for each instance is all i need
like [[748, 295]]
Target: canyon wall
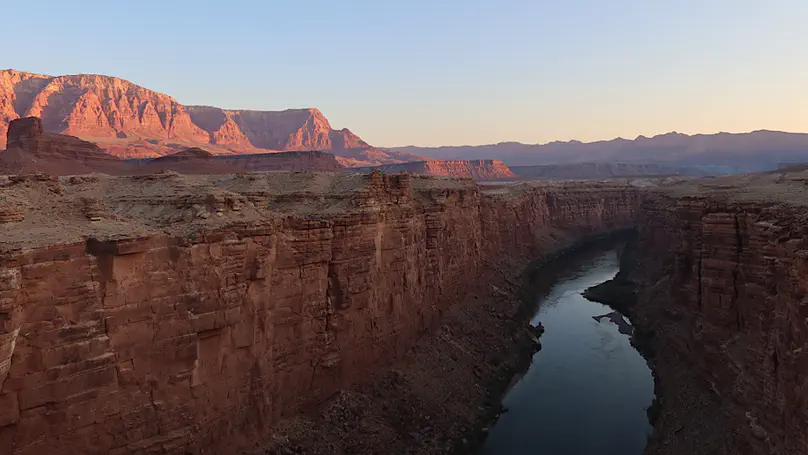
[[189, 314], [284, 161], [199, 161], [31, 149], [475, 169], [723, 301], [131, 121], [527, 220]]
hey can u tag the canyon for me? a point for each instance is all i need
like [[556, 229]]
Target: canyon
[[170, 313], [715, 287], [720, 270], [196, 304], [301, 312]]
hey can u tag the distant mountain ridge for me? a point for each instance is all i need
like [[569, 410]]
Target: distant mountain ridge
[[587, 171], [131, 121], [758, 150]]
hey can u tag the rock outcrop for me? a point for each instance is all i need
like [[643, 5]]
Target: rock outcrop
[[722, 267], [475, 169], [30, 149], [293, 129], [169, 314], [96, 106], [131, 121]]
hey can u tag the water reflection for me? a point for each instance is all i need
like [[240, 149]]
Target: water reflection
[[587, 390]]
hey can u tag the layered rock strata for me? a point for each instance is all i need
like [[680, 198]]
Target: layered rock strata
[[191, 314], [475, 169], [30, 149], [722, 266], [284, 161], [130, 121]]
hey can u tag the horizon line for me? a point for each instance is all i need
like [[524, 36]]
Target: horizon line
[[597, 141]]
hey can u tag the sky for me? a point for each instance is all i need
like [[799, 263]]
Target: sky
[[446, 72]]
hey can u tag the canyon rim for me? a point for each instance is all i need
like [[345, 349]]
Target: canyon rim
[[199, 311], [215, 240]]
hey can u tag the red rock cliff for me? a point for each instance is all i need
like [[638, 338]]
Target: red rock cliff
[[723, 268], [169, 314], [30, 149], [134, 122], [476, 169]]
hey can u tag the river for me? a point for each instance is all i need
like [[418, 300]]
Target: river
[[587, 391]]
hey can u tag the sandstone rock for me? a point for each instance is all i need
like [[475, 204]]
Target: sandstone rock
[[32, 150], [283, 161], [133, 122], [10, 212], [722, 265], [150, 334], [23, 133], [476, 169], [93, 208]]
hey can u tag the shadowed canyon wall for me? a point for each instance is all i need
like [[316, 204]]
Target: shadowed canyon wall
[[30, 149], [188, 314], [723, 299]]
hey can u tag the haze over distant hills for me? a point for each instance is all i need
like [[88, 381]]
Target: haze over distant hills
[[758, 150], [130, 121]]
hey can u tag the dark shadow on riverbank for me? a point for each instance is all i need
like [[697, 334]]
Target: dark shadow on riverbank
[[576, 405]]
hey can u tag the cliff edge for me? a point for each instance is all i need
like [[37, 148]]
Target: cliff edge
[[173, 313], [721, 266]]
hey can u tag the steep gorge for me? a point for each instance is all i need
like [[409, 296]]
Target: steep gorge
[[320, 313], [722, 305], [191, 314]]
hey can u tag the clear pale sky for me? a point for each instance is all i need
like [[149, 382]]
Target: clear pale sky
[[446, 72]]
